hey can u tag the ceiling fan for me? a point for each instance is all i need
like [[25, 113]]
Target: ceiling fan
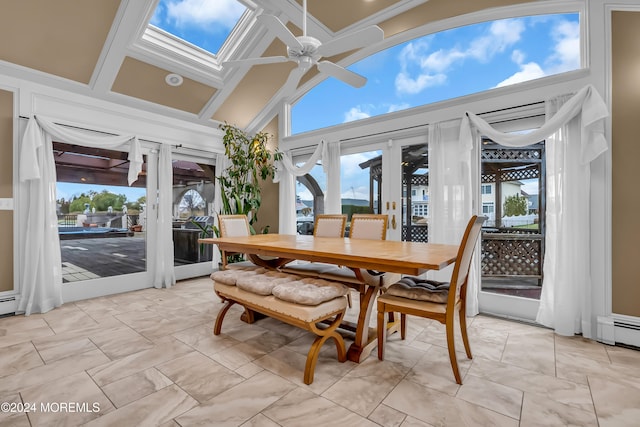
[[307, 51]]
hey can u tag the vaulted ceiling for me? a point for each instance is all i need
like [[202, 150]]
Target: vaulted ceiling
[[106, 50]]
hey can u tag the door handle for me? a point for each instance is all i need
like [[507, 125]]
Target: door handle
[[393, 221]]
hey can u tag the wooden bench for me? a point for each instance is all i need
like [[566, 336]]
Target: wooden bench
[[307, 317]]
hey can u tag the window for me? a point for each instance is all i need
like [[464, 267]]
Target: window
[[193, 213], [487, 208], [436, 67], [101, 220], [486, 188]]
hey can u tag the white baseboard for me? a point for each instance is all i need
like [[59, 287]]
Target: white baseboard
[[606, 330]]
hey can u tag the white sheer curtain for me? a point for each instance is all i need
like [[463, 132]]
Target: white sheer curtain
[[450, 196], [41, 265], [286, 173], [222, 163], [331, 167], [164, 274], [574, 131]]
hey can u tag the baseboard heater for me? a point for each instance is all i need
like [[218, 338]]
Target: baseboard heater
[[626, 325], [7, 299]]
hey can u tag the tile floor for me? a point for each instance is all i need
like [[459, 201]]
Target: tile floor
[[148, 358]]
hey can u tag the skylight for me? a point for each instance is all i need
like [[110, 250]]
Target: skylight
[[202, 23]]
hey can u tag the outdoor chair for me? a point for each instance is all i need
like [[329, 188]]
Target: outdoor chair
[[434, 300]]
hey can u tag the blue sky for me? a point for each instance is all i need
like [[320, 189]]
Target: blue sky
[[436, 67]]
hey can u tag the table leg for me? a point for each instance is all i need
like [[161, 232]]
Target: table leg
[[366, 338]]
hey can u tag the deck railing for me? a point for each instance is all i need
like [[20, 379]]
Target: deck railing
[[506, 252]]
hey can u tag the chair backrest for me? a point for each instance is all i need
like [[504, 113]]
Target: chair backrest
[[460, 273], [368, 226], [234, 225], [328, 225]]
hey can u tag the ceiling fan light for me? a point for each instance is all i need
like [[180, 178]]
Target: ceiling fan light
[[173, 79]]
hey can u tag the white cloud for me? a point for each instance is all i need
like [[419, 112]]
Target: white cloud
[[355, 113], [567, 48], [528, 71], [502, 35], [205, 13], [566, 56], [406, 84], [398, 107], [421, 69]]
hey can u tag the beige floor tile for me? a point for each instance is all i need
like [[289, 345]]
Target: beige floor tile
[[260, 421], [74, 400], [52, 372], [538, 411], [563, 391], [387, 417], [440, 409], [17, 358], [300, 406], [434, 370], [240, 403], [120, 342], [502, 399], [13, 415], [200, 376], [137, 362], [520, 346], [616, 400], [155, 409], [370, 380], [67, 349], [136, 386]]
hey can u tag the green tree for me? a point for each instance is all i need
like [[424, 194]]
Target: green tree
[[103, 200], [515, 205], [77, 203]]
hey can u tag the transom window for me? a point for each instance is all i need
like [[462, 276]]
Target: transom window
[[438, 67]]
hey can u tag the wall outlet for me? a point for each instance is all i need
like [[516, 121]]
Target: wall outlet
[[6, 204]]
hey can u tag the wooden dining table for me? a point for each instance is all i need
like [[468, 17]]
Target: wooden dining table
[[385, 256]]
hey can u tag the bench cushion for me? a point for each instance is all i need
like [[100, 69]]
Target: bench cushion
[[305, 313], [230, 277], [309, 291], [263, 284]]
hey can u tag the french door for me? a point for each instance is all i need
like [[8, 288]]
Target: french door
[[512, 242]]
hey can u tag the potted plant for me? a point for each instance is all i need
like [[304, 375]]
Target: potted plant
[[251, 163]]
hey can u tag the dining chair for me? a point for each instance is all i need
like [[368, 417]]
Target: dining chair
[[434, 300], [368, 226], [329, 225], [232, 226], [363, 226]]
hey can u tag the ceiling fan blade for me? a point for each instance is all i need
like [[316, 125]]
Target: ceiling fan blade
[[280, 31], [292, 82], [350, 41], [341, 73], [256, 61]]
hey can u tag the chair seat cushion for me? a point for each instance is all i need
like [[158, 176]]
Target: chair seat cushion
[[309, 291], [420, 289]]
